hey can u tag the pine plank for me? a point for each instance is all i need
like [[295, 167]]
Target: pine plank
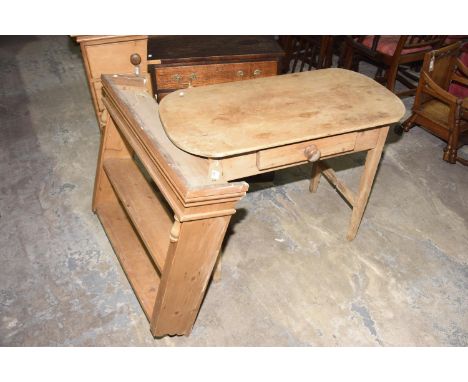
[[240, 117], [151, 219], [137, 265]]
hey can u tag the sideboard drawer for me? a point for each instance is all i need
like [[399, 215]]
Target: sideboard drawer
[[290, 154], [177, 77], [263, 69]]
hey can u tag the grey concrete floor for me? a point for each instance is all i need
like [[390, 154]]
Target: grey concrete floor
[[290, 278]]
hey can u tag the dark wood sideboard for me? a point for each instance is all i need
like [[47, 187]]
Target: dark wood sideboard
[[177, 62]]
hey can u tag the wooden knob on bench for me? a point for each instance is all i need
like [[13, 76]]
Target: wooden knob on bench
[[312, 153], [135, 59]]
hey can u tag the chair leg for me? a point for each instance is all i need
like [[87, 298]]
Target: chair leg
[[348, 57], [343, 48], [409, 123], [391, 77], [450, 152], [463, 161]]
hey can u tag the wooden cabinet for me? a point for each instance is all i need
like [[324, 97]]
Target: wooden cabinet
[[177, 62], [109, 55]]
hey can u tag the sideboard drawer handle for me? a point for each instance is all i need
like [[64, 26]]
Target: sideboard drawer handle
[[192, 77], [257, 72], [177, 77], [240, 73]]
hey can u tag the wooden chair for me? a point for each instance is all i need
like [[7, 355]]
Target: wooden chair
[[306, 52], [393, 55], [457, 89], [435, 108]]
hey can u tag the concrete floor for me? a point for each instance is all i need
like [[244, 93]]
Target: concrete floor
[[290, 278]]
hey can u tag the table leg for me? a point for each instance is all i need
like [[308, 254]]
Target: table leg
[[315, 178], [367, 179], [189, 264]]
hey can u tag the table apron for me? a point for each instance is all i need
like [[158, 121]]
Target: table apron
[[276, 158]]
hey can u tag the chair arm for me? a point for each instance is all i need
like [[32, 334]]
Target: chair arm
[[431, 88]]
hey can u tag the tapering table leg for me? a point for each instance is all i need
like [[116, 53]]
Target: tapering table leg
[[365, 186], [315, 178]]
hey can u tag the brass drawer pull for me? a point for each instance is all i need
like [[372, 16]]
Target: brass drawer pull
[[240, 73], [177, 77], [257, 72], [192, 77]]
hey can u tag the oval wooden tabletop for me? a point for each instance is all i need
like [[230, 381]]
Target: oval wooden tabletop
[[232, 118]]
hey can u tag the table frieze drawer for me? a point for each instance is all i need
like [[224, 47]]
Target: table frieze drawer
[[290, 154]]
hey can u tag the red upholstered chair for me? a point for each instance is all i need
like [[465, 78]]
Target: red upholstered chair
[[435, 107], [393, 56]]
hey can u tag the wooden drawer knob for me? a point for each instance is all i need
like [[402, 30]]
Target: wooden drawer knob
[[135, 59], [312, 153]]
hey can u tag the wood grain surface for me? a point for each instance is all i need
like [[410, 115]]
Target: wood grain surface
[[221, 120]]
